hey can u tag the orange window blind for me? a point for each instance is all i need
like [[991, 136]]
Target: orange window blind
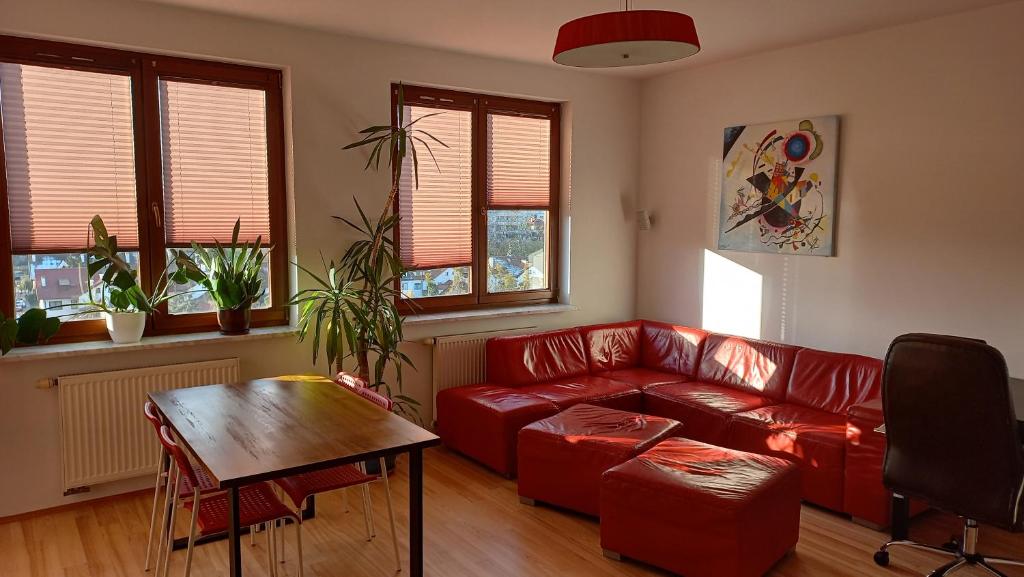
[[436, 226], [70, 154], [214, 161], [518, 161]]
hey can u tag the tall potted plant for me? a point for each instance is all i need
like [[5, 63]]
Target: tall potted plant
[[352, 308], [231, 275]]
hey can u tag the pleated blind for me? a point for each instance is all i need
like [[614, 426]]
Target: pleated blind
[[69, 151], [518, 161], [215, 165], [436, 224]]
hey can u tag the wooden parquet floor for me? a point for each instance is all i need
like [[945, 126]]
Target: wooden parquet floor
[[475, 526]]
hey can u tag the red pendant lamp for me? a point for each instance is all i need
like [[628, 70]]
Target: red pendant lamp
[[626, 38]]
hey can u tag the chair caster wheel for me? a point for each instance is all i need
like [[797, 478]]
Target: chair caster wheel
[[882, 558]]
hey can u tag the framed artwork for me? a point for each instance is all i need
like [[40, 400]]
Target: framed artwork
[[779, 187]]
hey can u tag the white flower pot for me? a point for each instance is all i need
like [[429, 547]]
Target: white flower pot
[[125, 328]]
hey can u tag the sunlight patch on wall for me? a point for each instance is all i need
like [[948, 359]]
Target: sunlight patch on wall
[[732, 297]]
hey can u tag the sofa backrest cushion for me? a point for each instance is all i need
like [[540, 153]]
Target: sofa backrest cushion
[[612, 346], [536, 358], [759, 367], [671, 348], [833, 381]]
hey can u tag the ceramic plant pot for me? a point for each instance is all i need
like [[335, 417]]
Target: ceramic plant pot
[[234, 321], [125, 328]]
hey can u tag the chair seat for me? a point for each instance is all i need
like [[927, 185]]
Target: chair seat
[[703, 408], [256, 504], [592, 390], [300, 487], [206, 484], [815, 440]]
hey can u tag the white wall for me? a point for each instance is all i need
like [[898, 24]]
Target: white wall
[[338, 85], [931, 206]]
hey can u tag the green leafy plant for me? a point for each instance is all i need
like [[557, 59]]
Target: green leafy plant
[[119, 289], [31, 328], [231, 275], [352, 313]]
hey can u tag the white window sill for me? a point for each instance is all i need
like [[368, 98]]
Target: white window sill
[[484, 314], [45, 352]]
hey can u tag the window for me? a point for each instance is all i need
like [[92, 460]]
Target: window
[[167, 150], [481, 228]]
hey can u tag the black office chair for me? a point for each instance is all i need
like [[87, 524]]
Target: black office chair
[[952, 439]]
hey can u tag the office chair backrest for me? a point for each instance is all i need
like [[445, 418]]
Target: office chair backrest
[[951, 429]]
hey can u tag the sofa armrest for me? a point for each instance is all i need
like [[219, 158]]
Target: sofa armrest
[[867, 412], [864, 496]]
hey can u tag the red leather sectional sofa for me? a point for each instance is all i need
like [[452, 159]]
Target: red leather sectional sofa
[[812, 407]]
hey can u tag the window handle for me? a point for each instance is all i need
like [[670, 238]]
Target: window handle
[[156, 214]]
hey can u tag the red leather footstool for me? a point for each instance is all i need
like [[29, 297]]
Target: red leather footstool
[[701, 510], [562, 457]]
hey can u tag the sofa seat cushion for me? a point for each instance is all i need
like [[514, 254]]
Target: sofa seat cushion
[[562, 457], [592, 390], [483, 421], [815, 440], [703, 408], [643, 378]]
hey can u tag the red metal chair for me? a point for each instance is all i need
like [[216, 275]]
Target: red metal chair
[[206, 484], [257, 506], [301, 487]]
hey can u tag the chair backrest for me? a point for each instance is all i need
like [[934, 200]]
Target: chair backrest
[[358, 386], [149, 410], [179, 456], [375, 397], [951, 429], [349, 380]]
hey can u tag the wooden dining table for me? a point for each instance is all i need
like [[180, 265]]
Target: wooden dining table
[[264, 429]]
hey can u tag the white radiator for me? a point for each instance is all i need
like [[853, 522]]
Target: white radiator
[[461, 359], [104, 435]]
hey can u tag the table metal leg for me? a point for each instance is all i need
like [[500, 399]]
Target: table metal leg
[[900, 517], [416, 512], [234, 535]]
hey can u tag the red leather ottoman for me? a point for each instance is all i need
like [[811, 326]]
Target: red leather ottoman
[[562, 457], [701, 510]]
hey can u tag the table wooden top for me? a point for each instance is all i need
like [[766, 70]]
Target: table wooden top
[[263, 429]]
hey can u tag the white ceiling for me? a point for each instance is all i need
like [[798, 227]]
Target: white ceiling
[[525, 29]]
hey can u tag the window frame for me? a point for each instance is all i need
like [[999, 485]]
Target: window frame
[[145, 71], [480, 105]]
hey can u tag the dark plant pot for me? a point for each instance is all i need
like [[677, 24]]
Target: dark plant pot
[[234, 321], [373, 465]]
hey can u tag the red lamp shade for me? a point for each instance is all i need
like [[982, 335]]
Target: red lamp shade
[[626, 38]]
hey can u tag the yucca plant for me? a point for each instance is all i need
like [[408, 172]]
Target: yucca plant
[[231, 275], [352, 313]]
